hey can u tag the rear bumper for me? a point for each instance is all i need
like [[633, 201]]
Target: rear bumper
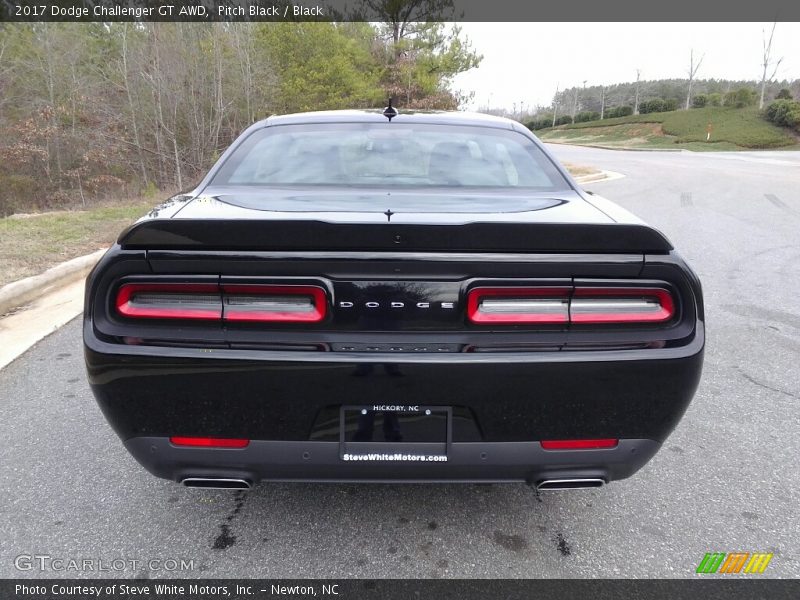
[[321, 461], [281, 400]]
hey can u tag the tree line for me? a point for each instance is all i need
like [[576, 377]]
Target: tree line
[[578, 104], [101, 109]]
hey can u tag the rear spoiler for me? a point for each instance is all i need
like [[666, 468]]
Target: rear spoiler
[[221, 234]]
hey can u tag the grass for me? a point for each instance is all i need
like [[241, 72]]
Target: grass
[[30, 244], [580, 170], [732, 129]]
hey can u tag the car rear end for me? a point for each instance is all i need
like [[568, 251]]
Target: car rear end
[[228, 346]]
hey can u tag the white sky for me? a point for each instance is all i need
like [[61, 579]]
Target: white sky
[[523, 62]]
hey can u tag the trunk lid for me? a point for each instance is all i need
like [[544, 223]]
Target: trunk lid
[[232, 219]]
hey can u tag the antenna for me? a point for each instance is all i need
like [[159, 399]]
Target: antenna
[[390, 112]]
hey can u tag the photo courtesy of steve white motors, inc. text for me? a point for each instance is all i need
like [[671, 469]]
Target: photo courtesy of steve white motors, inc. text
[[169, 589]]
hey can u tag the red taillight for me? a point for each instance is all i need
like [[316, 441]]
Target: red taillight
[[274, 303], [206, 442], [169, 301], [210, 301], [579, 444], [621, 305], [518, 305], [553, 305]]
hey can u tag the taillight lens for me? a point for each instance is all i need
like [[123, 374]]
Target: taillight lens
[[169, 301], [553, 305], [265, 303], [579, 444], [208, 442], [518, 305], [274, 303], [621, 305]]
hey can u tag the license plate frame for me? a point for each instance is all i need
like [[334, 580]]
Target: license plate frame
[[423, 451]]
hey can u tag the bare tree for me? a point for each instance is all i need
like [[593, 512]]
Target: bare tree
[[575, 101], [693, 68], [125, 70], [636, 95], [767, 62], [6, 69], [555, 106], [602, 101], [242, 35]]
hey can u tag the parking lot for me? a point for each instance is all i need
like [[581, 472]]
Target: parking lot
[[725, 481]]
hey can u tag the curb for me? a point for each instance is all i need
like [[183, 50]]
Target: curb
[[20, 292], [593, 177], [618, 148], [601, 176]]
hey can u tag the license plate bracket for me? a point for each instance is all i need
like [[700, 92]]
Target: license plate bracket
[[396, 433]]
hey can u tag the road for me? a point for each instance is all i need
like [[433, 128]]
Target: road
[[726, 480]]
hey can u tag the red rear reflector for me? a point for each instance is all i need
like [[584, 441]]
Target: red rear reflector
[[621, 305], [169, 301], [579, 444], [518, 305], [205, 442], [274, 303]]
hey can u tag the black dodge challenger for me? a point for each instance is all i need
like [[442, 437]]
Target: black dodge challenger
[[359, 295]]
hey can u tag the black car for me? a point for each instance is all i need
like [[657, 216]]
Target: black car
[[359, 295]]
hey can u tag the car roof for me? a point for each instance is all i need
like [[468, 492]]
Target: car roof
[[407, 116]]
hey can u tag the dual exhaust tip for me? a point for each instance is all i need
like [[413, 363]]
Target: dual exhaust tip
[[216, 483], [569, 484]]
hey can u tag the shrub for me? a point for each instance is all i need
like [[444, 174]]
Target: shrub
[[714, 99], [745, 97], [586, 116], [19, 192], [670, 104], [785, 113], [699, 101], [546, 121], [783, 94], [618, 111], [729, 99], [651, 106], [772, 110], [792, 118], [540, 123], [740, 98]]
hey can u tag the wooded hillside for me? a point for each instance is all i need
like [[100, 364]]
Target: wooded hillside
[[100, 109]]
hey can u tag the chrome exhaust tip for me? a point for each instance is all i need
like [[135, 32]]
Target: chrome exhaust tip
[[569, 484], [216, 483]]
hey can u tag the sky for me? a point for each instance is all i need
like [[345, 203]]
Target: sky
[[524, 62]]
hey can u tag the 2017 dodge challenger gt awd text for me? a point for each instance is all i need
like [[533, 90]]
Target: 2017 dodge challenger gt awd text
[[366, 295]]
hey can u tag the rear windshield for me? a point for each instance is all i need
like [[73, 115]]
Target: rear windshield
[[389, 154]]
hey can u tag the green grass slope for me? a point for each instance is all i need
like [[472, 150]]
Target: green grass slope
[[731, 129]]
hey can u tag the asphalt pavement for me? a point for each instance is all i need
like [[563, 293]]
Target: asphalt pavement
[[725, 481]]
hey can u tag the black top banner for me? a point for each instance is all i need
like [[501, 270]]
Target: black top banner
[[401, 10]]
